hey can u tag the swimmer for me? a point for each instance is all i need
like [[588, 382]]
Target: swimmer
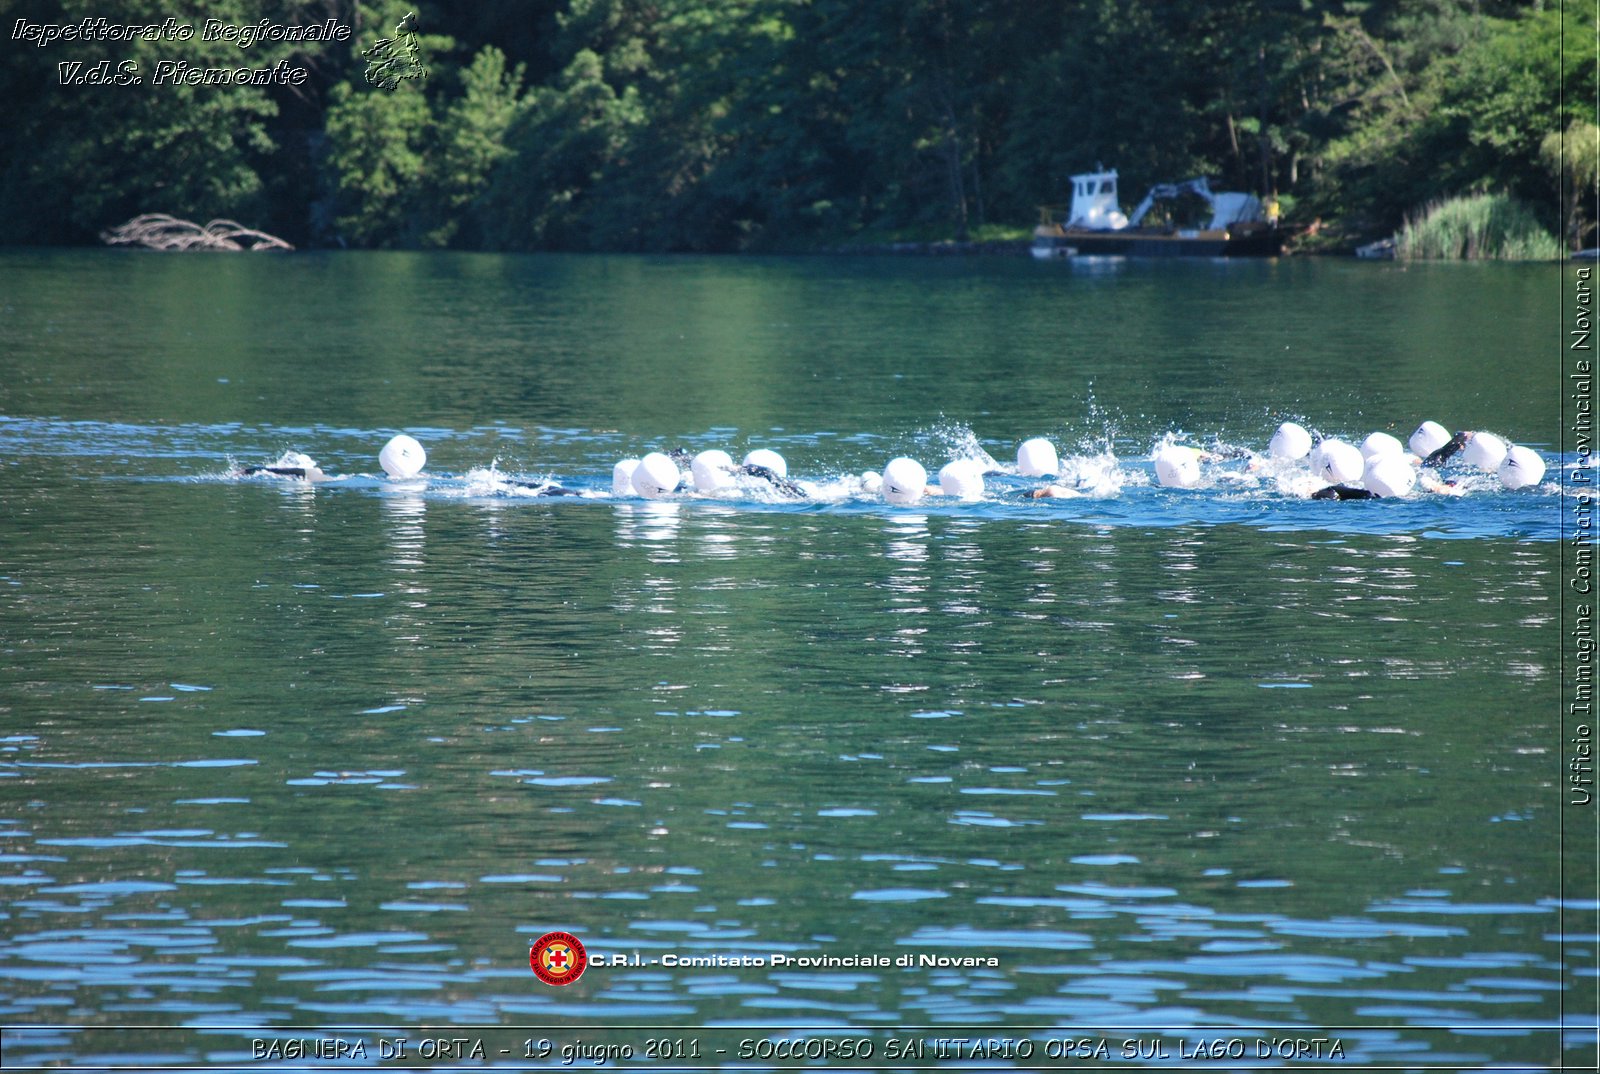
[[541, 488], [1389, 485], [1053, 491], [403, 458], [712, 468], [293, 464], [963, 479], [1220, 452], [1344, 492], [1432, 482], [654, 476], [1386, 476], [1380, 446], [305, 473], [1429, 437], [707, 469], [1448, 451], [773, 478], [1523, 468], [767, 465], [1038, 458], [1485, 451], [492, 482], [905, 482], [1291, 442], [1337, 462], [1178, 466], [1475, 448]]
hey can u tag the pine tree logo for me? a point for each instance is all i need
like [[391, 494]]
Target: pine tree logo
[[393, 60]]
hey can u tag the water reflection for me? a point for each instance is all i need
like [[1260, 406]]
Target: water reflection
[[653, 525], [908, 582], [299, 501], [1202, 761], [405, 513], [718, 529], [964, 571], [654, 528]]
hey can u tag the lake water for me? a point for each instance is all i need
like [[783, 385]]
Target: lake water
[[289, 762]]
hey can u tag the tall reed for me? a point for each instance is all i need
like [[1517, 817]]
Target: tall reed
[[1480, 227]]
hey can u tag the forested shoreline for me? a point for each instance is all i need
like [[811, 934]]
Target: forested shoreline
[[777, 125]]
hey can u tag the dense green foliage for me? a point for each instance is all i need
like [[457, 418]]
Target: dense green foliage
[[761, 124]]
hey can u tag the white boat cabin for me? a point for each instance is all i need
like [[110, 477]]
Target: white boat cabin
[[1094, 203]]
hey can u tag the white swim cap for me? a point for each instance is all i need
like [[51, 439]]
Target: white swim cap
[[1486, 451], [1337, 462], [962, 478], [768, 458], [712, 470], [904, 481], [655, 476], [402, 457], [1178, 467], [1037, 458], [871, 482], [622, 477], [299, 459], [1429, 437], [1291, 442], [1381, 445], [1523, 468], [1390, 475]]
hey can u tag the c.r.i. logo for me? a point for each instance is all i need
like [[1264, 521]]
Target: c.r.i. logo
[[558, 958]]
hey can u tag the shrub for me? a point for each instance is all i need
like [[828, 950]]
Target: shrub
[[1481, 227]]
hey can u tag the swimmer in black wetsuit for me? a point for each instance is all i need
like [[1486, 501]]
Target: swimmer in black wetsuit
[[542, 488], [1426, 480], [1450, 448], [292, 464], [1344, 492], [685, 460], [1483, 451], [305, 473], [769, 475]]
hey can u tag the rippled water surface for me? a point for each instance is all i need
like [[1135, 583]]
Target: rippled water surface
[[1188, 764]]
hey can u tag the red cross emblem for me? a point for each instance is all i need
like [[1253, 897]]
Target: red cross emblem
[[558, 958]]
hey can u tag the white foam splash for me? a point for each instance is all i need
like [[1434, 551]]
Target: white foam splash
[[961, 443], [1099, 476]]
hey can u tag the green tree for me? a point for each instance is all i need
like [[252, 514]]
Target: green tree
[[1460, 103], [472, 143], [1573, 158], [565, 139], [1077, 107], [751, 124], [81, 158], [375, 163], [1504, 93]]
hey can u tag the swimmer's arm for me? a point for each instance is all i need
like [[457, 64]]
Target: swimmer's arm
[[1432, 482], [782, 484], [1444, 454], [543, 488], [305, 473], [1343, 492], [1049, 492]]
